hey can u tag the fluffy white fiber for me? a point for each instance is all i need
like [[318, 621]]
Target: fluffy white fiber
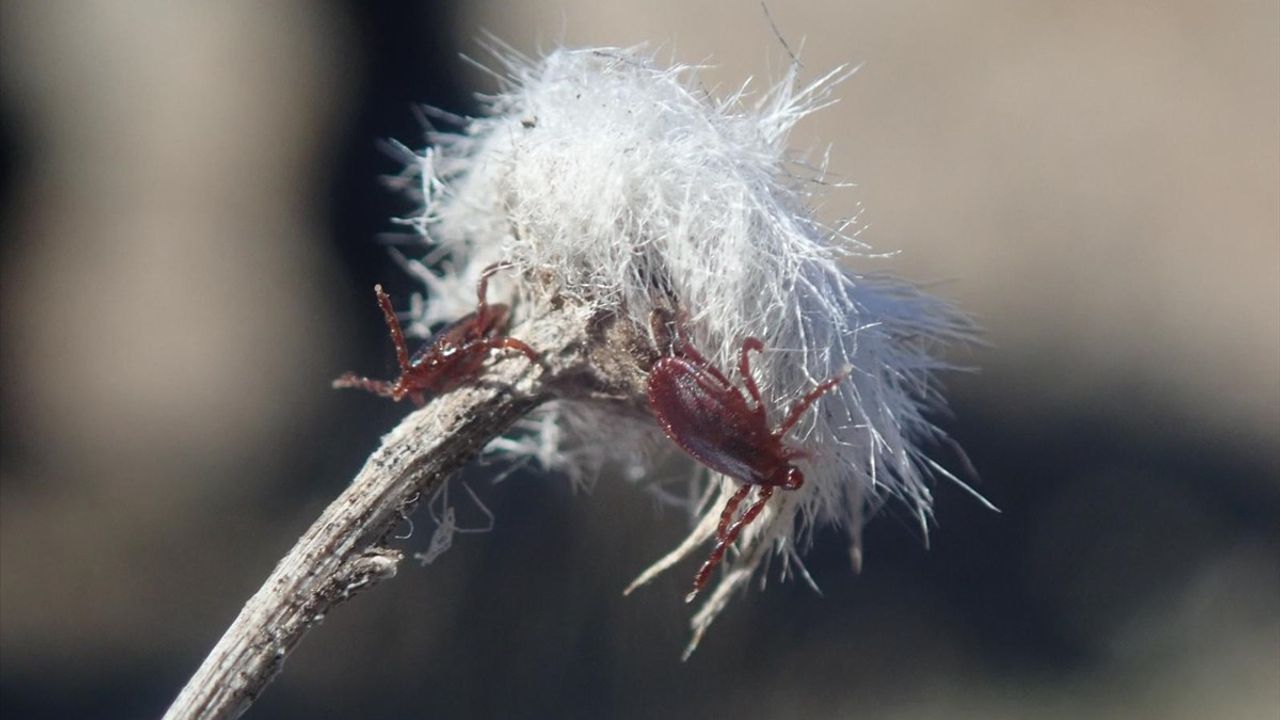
[[635, 187]]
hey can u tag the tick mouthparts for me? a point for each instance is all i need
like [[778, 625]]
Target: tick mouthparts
[[692, 594]]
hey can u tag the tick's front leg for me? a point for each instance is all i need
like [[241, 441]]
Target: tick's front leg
[[393, 326], [357, 382]]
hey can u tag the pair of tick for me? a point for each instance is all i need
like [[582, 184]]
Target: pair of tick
[[695, 404]]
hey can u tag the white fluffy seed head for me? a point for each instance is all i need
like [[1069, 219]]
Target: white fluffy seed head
[[636, 188]]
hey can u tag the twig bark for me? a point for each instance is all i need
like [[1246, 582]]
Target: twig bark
[[346, 551]]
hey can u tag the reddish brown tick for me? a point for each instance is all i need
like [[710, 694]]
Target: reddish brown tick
[[710, 419], [455, 354]]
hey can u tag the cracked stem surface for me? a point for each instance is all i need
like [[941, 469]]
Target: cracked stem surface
[[584, 355]]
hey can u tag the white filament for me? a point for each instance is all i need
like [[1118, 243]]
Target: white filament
[[635, 188]]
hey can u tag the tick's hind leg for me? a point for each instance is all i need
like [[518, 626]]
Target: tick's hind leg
[[731, 507], [723, 543]]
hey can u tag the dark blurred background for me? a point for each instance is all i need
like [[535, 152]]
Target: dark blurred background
[[193, 200]]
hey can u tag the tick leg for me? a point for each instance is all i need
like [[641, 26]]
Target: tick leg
[[803, 404], [482, 286], [514, 344], [685, 349], [486, 344], [731, 507], [678, 345], [744, 367], [393, 324], [660, 326], [377, 387], [717, 554]]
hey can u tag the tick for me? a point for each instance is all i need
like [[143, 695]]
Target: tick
[[700, 410], [454, 355]]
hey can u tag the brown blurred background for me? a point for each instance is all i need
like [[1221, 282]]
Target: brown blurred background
[[192, 203]]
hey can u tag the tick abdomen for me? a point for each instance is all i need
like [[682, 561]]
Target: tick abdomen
[[709, 420]]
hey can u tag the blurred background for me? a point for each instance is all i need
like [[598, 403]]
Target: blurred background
[[192, 197]]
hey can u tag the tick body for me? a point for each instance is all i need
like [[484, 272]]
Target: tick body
[[455, 354], [711, 419]]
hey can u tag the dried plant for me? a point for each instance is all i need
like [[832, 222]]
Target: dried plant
[[618, 187]]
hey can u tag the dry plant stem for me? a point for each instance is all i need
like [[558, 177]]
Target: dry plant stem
[[346, 551]]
